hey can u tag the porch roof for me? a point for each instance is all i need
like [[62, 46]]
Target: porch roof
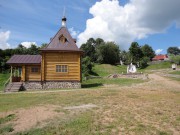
[[24, 59]]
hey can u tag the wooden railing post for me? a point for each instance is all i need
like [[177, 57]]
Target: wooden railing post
[[11, 75]]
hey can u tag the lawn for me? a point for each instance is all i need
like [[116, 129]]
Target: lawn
[[107, 69]]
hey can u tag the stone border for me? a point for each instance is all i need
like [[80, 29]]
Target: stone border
[[50, 85]]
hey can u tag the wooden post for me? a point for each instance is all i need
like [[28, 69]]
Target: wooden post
[[15, 72], [23, 73], [18, 72], [43, 67], [11, 75]]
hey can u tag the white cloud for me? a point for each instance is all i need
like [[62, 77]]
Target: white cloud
[[28, 44], [73, 32], [158, 51], [136, 20], [179, 47], [4, 36]]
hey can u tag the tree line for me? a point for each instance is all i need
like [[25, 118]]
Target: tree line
[[99, 51], [7, 53]]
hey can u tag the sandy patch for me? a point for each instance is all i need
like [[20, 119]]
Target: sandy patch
[[85, 106], [27, 118], [30, 117]]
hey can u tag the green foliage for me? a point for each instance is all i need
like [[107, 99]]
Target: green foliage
[[173, 50], [147, 51], [108, 53], [175, 59], [144, 62], [135, 52], [43, 45], [89, 49], [7, 53], [33, 50], [86, 65], [125, 57], [100, 51]]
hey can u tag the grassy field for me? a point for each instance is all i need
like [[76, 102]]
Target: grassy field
[[106, 69], [118, 111], [156, 66]]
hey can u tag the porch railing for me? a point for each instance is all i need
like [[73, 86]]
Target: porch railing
[[6, 83]]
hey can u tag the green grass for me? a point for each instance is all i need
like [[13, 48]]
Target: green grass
[[7, 118], [161, 65], [107, 69], [117, 81], [174, 78], [3, 79], [175, 73], [6, 129]]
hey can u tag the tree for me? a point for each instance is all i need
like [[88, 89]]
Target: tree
[[108, 53], [20, 50], [33, 50], [43, 45], [147, 51], [99, 41], [175, 59], [89, 50], [135, 52], [173, 50], [86, 65], [125, 57]]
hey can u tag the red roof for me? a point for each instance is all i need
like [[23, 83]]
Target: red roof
[[160, 57], [55, 43], [24, 59]]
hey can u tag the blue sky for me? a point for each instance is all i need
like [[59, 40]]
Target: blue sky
[[39, 20]]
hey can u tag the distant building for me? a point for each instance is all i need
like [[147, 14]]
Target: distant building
[[160, 57]]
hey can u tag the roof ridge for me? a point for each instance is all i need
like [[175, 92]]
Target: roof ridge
[[53, 37], [56, 44]]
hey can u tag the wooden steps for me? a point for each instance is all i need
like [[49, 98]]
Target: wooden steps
[[14, 87]]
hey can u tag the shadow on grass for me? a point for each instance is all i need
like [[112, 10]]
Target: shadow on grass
[[93, 73], [91, 85]]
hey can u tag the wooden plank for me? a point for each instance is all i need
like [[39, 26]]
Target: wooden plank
[[23, 73]]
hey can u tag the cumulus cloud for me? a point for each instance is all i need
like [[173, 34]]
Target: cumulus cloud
[[158, 51], [28, 44], [4, 36], [135, 20], [73, 32]]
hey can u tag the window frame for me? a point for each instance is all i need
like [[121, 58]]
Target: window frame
[[35, 70], [61, 68]]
